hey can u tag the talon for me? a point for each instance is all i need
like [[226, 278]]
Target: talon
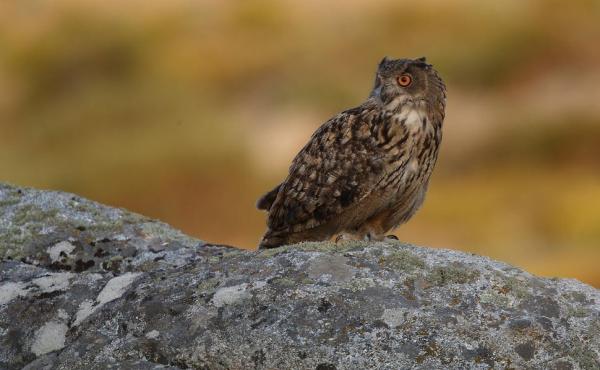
[[391, 236], [343, 237]]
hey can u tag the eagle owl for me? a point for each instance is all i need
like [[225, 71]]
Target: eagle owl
[[366, 170]]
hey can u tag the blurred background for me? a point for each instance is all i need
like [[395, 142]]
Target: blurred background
[[187, 111]]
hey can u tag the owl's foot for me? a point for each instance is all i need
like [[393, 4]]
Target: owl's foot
[[345, 237], [380, 237], [391, 238], [370, 236]]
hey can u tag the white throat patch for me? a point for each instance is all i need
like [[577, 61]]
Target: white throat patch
[[412, 118]]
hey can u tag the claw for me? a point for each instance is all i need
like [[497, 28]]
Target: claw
[[391, 237], [343, 237]]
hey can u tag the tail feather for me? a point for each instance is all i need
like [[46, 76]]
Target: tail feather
[[270, 240], [266, 201], [275, 239]]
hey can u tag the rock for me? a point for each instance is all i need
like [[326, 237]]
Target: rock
[[86, 286]]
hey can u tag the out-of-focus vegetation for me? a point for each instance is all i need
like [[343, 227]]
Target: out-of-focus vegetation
[[188, 110]]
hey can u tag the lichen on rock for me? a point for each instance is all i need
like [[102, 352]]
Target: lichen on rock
[[86, 286]]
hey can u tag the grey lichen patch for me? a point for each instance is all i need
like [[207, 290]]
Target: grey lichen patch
[[401, 260], [319, 246], [113, 263], [328, 268], [452, 274], [393, 317], [49, 338], [578, 312], [214, 259], [52, 282], [152, 334], [230, 295], [585, 356], [545, 306], [326, 246], [493, 297], [329, 246], [233, 252], [159, 230], [283, 281], [515, 286], [34, 223], [59, 250], [208, 285], [343, 246], [525, 350], [234, 294], [11, 242], [23, 224], [8, 201], [11, 290], [268, 253], [31, 213], [113, 289], [303, 246], [360, 284]]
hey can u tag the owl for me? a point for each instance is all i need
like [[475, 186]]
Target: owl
[[366, 170]]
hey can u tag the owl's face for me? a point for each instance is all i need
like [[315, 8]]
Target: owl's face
[[408, 79]]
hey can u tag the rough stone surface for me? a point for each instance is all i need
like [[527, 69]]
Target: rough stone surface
[[85, 286]]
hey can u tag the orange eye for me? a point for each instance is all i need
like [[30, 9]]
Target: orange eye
[[404, 80]]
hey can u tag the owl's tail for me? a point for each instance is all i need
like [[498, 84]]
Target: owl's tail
[[266, 201], [273, 240]]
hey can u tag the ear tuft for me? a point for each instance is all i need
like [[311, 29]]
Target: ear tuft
[[384, 61], [422, 62]]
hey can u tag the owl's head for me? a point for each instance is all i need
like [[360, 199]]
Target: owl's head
[[411, 80]]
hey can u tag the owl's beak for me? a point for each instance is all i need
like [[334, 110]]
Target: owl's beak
[[377, 88]]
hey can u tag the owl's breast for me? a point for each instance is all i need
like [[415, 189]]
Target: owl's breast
[[413, 157]]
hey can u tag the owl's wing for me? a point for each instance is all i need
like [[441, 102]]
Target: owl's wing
[[340, 165]]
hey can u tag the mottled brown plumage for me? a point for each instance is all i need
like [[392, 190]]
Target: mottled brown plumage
[[366, 170]]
